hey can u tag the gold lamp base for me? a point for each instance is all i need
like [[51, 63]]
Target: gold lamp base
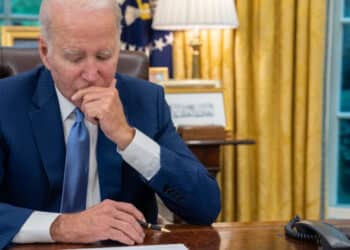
[[195, 44]]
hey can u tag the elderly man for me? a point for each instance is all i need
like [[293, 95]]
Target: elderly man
[[83, 150]]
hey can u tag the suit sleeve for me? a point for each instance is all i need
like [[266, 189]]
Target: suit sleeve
[[11, 217], [183, 183]]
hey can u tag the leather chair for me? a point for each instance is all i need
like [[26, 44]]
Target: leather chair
[[15, 60]]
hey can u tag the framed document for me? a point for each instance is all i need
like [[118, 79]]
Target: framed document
[[198, 106], [191, 83], [20, 36]]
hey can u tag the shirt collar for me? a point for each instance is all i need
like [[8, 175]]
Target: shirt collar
[[66, 106]]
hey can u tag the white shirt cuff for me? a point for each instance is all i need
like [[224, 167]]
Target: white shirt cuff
[[143, 154], [36, 228]]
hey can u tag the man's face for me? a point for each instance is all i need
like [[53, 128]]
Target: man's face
[[83, 50]]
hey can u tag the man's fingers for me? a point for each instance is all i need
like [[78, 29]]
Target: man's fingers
[[102, 95], [93, 120], [93, 104], [129, 219], [125, 219], [82, 92], [92, 111], [117, 235], [124, 207], [107, 220], [130, 209], [105, 106], [136, 234]]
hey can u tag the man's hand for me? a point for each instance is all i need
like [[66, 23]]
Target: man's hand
[[109, 220], [103, 105]]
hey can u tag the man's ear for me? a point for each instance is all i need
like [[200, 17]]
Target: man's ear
[[43, 52]]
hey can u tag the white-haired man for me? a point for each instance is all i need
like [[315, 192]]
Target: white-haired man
[[131, 149]]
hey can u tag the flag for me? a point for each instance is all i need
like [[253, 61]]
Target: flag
[[138, 35]]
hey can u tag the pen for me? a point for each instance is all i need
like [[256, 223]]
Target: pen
[[154, 227]]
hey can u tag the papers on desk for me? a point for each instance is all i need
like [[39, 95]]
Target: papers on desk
[[148, 247]]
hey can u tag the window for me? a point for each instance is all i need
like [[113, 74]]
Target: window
[[1, 7], [337, 118], [19, 12], [25, 7]]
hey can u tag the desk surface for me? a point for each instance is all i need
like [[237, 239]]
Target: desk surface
[[220, 142], [269, 236]]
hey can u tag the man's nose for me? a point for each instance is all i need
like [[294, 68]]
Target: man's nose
[[90, 72]]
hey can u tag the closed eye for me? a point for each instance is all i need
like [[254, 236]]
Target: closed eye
[[104, 55], [73, 57]]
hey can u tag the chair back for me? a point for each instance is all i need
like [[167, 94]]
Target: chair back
[[15, 60]]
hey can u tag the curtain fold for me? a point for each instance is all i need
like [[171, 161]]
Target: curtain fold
[[271, 69]]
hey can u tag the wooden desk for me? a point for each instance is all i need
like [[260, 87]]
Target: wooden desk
[[208, 151], [222, 236]]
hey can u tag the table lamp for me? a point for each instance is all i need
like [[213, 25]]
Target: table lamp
[[194, 15]]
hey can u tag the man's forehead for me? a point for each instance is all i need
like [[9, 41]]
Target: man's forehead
[[61, 10], [77, 5]]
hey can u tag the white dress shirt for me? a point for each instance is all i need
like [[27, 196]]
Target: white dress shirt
[[143, 154]]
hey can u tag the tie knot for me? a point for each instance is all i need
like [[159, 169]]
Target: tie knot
[[79, 116]]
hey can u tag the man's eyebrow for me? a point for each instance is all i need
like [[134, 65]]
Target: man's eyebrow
[[72, 51], [106, 51]]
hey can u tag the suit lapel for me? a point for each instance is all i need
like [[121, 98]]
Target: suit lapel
[[48, 132]]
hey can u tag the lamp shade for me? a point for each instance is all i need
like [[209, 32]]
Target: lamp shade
[[195, 14]]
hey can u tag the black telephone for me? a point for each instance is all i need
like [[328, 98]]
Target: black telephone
[[326, 235]]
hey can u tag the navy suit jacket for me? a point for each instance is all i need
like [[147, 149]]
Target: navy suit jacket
[[32, 155]]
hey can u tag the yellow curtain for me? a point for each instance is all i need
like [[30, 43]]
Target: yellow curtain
[[271, 68]]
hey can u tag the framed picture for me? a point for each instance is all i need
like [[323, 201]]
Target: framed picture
[[20, 36], [191, 83], [204, 106], [158, 74]]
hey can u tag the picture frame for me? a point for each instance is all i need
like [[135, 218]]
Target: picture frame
[[197, 106], [191, 83], [158, 74], [20, 36]]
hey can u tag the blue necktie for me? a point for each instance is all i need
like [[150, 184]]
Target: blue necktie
[[76, 170]]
